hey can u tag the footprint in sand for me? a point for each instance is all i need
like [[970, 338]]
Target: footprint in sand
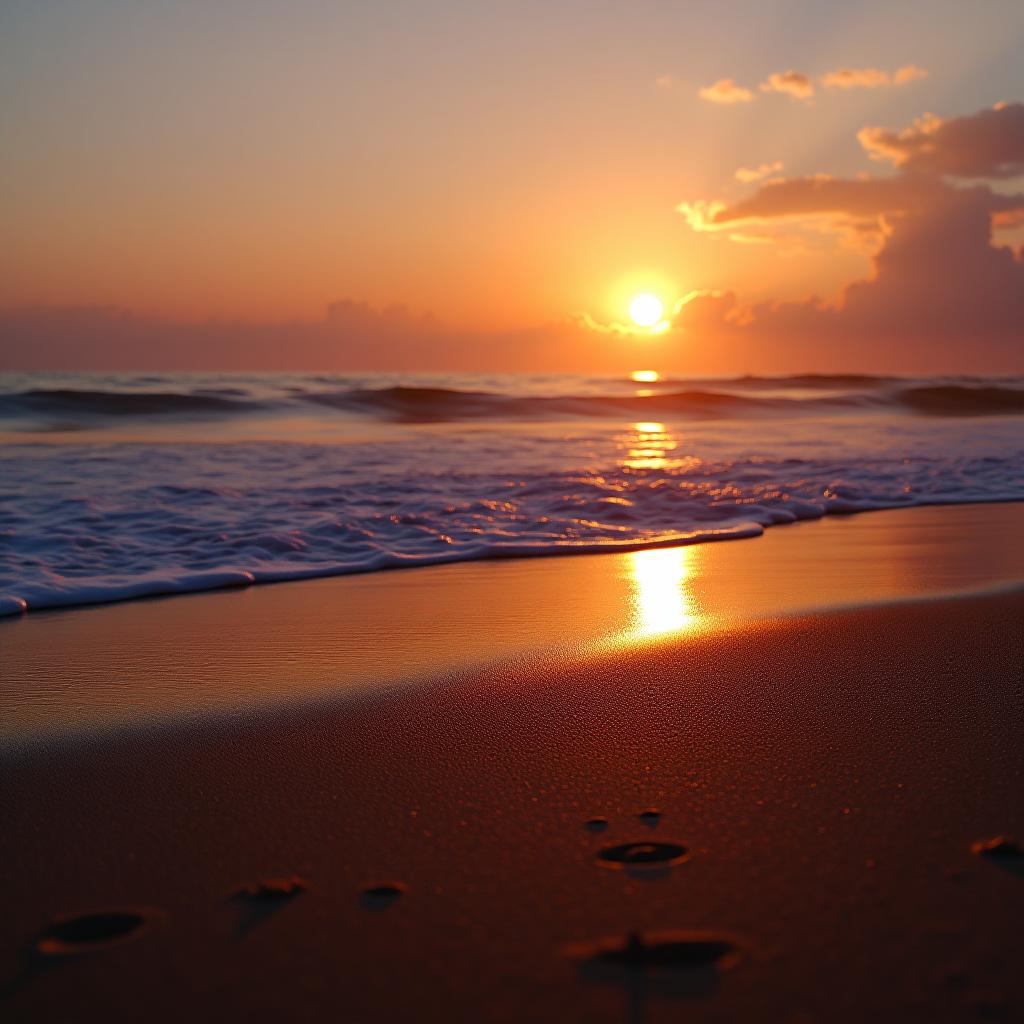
[[75, 934], [258, 901], [1007, 853], [679, 964], [643, 854], [382, 895], [272, 890], [683, 950]]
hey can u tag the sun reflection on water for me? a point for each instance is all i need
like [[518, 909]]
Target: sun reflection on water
[[651, 446], [662, 594]]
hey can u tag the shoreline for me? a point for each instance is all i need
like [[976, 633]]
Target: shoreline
[[225, 579], [130, 663]]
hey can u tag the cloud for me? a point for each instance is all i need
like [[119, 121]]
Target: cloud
[[751, 174], [941, 291], [855, 78], [989, 144], [793, 83], [818, 196], [801, 87], [908, 73], [871, 78], [700, 213], [725, 90]]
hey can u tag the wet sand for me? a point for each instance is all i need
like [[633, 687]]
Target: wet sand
[[772, 821], [218, 653]]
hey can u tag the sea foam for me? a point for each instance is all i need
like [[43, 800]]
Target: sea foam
[[92, 510]]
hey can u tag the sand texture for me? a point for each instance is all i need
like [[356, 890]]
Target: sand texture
[[770, 823]]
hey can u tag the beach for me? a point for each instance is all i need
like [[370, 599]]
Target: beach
[[139, 663], [511, 513], [796, 783]]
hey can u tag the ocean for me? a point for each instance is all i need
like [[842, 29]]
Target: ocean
[[118, 486]]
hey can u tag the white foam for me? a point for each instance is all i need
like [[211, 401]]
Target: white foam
[[108, 521]]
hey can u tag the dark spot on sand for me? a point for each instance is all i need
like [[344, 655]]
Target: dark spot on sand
[[999, 848], [381, 895], [643, 854], [669, 964], [651, 817], [1007, 854], [681, 950], [261, 900], [83, 933], [597, 824], [272, 890]]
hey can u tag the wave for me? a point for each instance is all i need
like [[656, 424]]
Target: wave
[[62, 401], [823, 381], [415, 404], [736, 398], [952, 400], [436, 404], [103, 519]]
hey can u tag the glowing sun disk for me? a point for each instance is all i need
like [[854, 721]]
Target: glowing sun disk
[[646, 310]]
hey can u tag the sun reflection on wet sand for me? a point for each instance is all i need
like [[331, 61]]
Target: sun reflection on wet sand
[[663, 600]]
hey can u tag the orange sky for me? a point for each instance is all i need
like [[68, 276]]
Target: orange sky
[[504, 168]]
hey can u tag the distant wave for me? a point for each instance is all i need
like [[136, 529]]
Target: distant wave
[[952, 400], [737, 398], [440, 404], [121, 403], [825, 381]]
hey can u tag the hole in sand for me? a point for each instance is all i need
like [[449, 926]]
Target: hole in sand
[[82, 933], [596, 824], [381, 895], [643, 854]]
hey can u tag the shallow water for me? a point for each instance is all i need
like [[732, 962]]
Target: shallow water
[[118, 486]]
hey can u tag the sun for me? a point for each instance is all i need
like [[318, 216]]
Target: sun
[[646, 310]]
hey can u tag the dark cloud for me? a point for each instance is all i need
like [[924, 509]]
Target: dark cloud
[[942, 289], [989, 144]]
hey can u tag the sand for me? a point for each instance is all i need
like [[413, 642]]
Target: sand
[[203, 654], [772, 821]]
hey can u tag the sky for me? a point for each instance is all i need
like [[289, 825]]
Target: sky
[[464, 184]]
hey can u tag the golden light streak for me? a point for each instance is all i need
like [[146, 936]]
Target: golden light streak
[[662, 599]]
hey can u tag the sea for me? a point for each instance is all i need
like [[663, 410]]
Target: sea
[[121, 486]]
